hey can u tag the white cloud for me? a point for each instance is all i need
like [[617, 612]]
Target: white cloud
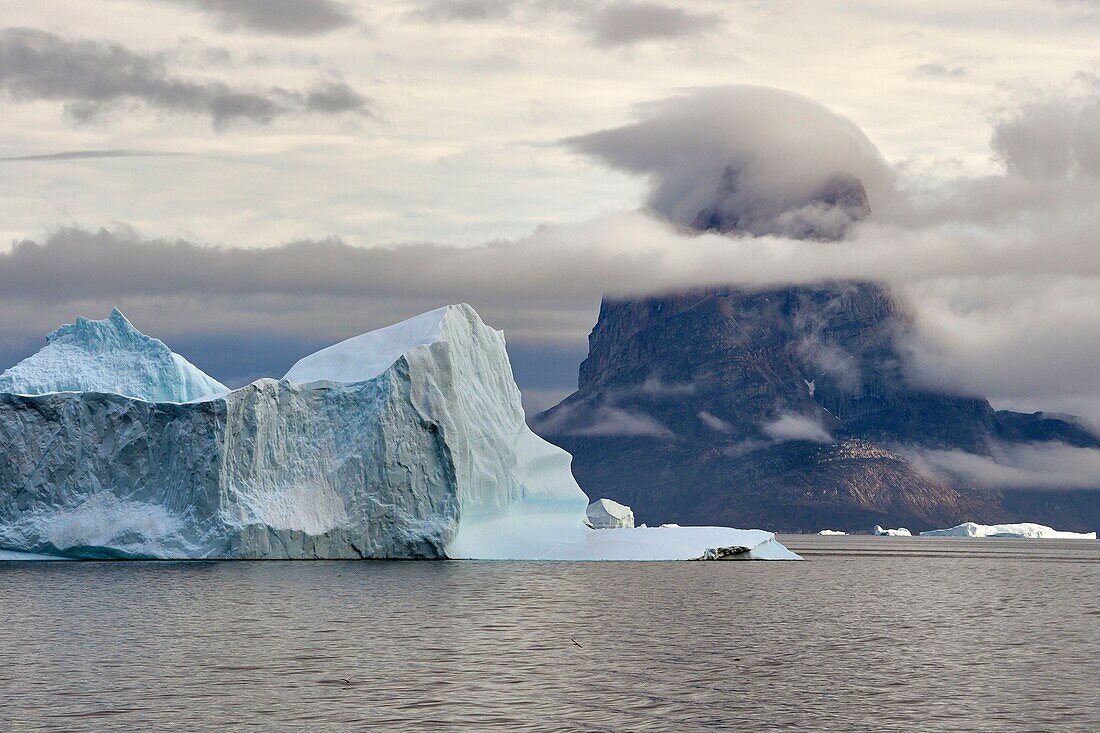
[[603, 421], [714, 422], [789, 426]]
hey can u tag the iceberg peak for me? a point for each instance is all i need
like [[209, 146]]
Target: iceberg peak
[[115, 328], [364, 357], [109, 356]]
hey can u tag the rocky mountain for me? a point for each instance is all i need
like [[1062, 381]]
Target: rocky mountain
[[787, 408]]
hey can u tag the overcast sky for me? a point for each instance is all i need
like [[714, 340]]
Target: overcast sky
[[379, 159]]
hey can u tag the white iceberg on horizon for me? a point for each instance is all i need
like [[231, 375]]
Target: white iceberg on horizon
[[899, 532], [406, 442], [1023, 530], [608, 514]]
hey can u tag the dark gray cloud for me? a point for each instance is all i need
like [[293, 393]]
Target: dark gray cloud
[[278, 17], [609, 25], [471, 10], [334, 96], [1008, 322], [90, 154], [1052, 139], [627, 23], [754, 160], [93, 77]]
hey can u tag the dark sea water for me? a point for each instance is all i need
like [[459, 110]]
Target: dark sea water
[[868, 634]]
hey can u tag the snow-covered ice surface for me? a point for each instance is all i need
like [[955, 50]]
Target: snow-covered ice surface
[[608, 514], [408, 442], [899, 532], [833, 533], [1027, 530], [109, 356]]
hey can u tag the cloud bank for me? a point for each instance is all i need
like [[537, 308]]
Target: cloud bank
[[92, 78], [1055, 138], [1020, 466]]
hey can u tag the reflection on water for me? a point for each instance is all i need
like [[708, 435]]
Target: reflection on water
[[868, 633]]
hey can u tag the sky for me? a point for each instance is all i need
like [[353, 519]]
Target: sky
[[251, 180]]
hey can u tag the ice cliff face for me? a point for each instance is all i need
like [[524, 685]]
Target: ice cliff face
[[109, 356], [515, 490]]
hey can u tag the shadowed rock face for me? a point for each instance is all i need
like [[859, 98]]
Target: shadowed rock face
[[783, 408]]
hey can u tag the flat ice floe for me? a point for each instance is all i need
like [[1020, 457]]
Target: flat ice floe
[[406, 442], [1026, 530]]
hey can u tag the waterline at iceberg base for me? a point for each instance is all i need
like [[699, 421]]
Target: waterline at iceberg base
[[406, 442]]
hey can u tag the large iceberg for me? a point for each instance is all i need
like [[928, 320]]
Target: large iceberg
[[1026, 530], [109, 356], [406, 442]]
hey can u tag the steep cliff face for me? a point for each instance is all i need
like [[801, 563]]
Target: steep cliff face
[[786, 408]]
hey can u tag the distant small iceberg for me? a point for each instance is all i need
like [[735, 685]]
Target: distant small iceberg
[[832, 533], [1023, 530], [899, 532]]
